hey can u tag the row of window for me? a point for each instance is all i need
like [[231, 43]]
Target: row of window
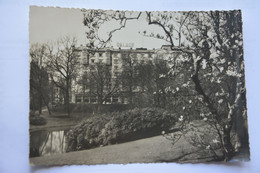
[[115, 60], [100, 60], [94, 99], [123, 56]]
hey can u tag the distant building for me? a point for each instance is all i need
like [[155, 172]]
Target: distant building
[[116, 60]]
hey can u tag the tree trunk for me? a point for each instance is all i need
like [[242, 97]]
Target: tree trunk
[[131, 90], [228, 149], [68, 108], [48, 108], [67, 103], [40, 106], [99, 108], [100, 101], [46, 104], [67, 97]]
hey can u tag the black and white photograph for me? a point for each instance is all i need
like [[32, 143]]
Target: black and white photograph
[[120, 87]]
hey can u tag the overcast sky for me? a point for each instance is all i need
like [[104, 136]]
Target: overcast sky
[[50, 24]]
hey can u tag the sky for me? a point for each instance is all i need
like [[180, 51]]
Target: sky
[[49, 24]]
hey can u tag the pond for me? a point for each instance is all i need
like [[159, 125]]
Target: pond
[[44, 143]]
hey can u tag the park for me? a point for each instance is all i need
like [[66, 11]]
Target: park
[[183, 100]]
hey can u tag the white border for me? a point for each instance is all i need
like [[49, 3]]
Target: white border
[[14, 77]]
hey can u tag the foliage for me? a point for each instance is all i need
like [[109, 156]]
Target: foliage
[[39, 81], [213, 43], [101, 82], [91, 108], [149, 80], [118, 127], [37, 120]]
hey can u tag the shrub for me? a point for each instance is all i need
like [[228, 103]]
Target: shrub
[[34, 113], [117, 127], [36, 120], [85, 134], [90, 108]]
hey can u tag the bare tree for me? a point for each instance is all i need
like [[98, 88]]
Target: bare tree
[[39, 81], [102, 83], [172, 24], [62, 64], [95, 20]]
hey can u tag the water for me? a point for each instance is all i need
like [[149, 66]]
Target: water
[[44, 143]]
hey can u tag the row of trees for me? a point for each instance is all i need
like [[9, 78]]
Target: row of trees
[[60, 66], [149, 79], [52, 65], [57, 62]]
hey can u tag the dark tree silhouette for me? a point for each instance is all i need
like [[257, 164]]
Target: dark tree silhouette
[[39, 79]]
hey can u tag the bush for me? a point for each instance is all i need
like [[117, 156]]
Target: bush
[[36, 120], [90, 108], [117, 127]]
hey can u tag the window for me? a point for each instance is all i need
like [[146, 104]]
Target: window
[[108, 100], [100, 54], [123, 56], [125, 63], [85, 61], [93, 61], [115, 67], [86, 99], [92, 67], [93, 99], [115, 99], [78, 99], [115, 61]]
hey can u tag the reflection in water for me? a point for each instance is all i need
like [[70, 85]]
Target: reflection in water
[[44, 143]]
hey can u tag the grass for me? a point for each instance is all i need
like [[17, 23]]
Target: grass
[[155, 149]]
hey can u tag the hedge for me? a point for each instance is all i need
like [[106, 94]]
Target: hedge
[[90, 108], [117, 127], [36, 120]]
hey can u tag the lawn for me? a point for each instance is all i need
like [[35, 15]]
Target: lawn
[[148, 150]]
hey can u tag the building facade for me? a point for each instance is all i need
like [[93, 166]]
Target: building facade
[[103, 75]]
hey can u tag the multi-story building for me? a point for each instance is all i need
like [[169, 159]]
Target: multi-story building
[[115, 61]]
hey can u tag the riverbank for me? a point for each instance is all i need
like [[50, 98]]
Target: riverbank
[[148, 150], [58, 121]]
